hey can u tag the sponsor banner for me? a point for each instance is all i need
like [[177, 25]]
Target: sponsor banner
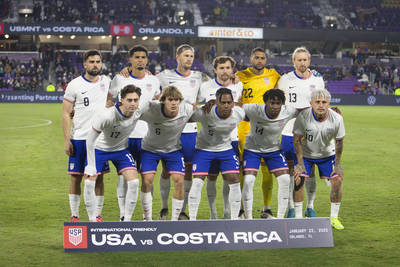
[[230, 32], [59, 28], [166, 31], [365, 100], [1, 28], [197, 235], [121, 29], [31, 97]]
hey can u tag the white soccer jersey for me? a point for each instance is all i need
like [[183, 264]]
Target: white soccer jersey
[[319, 135], [215, 134], [298, 92], [164, 133], [264, 131], [115, 128], [88, 98], [188, 85], [210, 87], [149, 86]]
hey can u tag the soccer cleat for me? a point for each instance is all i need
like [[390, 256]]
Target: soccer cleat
[[336, 224], [74, 219], [99, 219], [163, 215], [183, 217], [226, 216], [122, 219], [241, 214], [310, 213], [266, 214], [290, 213]]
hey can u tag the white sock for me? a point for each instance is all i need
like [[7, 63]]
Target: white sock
[[90, 199], [335, 209], [212, 198], [99, 205], [121, 193], [291, 189], [74, 201], [165, 187], [195, 197], [298, 209], [311, 188], [283, 194], [234, 199], [188, 185], [176, 208], [247, 197], [147, 205], [225, 196], [131, 198]]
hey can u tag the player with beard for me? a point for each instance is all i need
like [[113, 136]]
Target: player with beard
[[150, 88], [85, 96], [298, 86], [223, 69], [256, 80]]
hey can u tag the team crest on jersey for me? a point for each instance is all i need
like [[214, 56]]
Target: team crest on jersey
[[71, 166], [181, 121], [266, 80], [329, 131], [102, 87], [312, 87], [148, 87], [233, 125], [192, 83], [234, 94], [281, 124], [75, 236], [194, 167]]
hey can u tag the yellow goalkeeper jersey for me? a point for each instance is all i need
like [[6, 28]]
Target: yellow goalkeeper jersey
[[254, 86]]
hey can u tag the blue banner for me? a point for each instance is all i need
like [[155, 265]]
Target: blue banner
[[197, 235], [365, 100]]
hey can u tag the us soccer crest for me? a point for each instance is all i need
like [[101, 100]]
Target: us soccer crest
[[312, 87], [75, 236], [194, 167], [266, 80], [148, 87], [71, 166], [192, 83]]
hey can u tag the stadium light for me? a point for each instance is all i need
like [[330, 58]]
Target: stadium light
[[117, 37], [48, 36], [6, 36], [156, 38], [144, 38], [110, 36], [89, 37], [133, 37], [61, 36], [103, 37], [72, 37], [182, 22]]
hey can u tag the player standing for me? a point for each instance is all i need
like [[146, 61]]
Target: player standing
[[85, 95], [223, 69], [298, 86], [111, 129], [188, 82], [166, 120], [150, 88], [256, 81], [214, 144], [313, 132]]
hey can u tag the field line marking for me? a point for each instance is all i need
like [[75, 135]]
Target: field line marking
[[46, 123]]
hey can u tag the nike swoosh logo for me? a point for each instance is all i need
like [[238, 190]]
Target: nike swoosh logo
[[291, 87], [84, 92], [245, 82]]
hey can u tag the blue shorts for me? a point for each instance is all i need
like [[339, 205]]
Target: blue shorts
[[173, 161], [227, 160], [188, 142], [135, 146], [274, 160], [121, 159], [77, 162], [325, 166], [214, 167], [288, 148]]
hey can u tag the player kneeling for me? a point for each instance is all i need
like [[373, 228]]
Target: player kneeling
[[111, 129], [313, 132], [214, 144], [266, 124]]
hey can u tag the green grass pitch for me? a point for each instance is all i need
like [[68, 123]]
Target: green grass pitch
[[34, 200]]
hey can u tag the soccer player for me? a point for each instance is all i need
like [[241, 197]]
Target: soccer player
[[313, 132], [214, 144], [166, 120], [150, 89], [111, 129], [84, 96], [256, 81], [188, 82], [266, 124], [298, 85], [223, 69]]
